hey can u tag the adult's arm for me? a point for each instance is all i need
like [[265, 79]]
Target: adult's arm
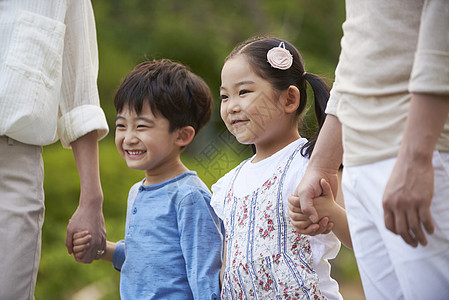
[[324, 163], [82, 122], [409, 191], [89, 215]]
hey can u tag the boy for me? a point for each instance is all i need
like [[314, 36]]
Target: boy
[[172, 245]]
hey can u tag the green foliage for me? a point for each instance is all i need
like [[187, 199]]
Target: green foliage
[[200, 34]]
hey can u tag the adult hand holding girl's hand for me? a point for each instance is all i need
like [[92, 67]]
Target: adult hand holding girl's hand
[[301, 205], [324, 164]]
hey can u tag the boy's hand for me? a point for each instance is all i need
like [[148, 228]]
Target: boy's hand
[[81, 242]]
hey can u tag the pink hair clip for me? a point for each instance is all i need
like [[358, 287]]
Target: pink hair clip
[[279, 57]]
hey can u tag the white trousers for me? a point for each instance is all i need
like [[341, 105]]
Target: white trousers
[[390, 268], [21, 218]]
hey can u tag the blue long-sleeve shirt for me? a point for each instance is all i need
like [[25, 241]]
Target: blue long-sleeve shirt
[[172, 246]]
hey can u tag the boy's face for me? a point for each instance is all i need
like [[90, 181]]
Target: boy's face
[[144, 141]]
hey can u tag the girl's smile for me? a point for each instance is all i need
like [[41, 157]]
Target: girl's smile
[[252, 110], [241, 121]]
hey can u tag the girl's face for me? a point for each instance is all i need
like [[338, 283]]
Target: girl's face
[[250, 108]]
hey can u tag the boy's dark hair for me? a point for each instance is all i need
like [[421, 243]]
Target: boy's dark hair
[[255, 50], [170, 89]]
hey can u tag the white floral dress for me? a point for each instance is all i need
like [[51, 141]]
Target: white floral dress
[[266, 257]]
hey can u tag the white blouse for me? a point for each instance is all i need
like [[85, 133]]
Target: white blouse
[[48, 71], [252, 176]]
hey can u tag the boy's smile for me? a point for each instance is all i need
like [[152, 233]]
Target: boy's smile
[[145, 142], [134, 154]]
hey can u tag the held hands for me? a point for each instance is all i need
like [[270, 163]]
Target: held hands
[[322, 206], [302, 202], [87, 219], [81, 243], [406, 201]]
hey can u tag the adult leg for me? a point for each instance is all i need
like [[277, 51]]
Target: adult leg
[[21, 217], [423, 272], [363, 201], [416, 273]]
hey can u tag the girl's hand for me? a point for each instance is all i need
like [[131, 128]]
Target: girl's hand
[[81, 242], [302, 222]]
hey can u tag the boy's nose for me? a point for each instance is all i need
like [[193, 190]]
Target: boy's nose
[[130, 138]]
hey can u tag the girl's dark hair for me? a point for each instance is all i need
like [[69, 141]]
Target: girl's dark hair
[[170, 89], [255, 50]]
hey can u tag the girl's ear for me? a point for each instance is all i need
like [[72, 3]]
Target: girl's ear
[[185, 136], [292, 99]]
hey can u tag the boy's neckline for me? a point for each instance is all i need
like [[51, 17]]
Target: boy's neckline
[[145, 185], [175, 171]]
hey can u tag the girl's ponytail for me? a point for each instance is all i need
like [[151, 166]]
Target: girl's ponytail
[[282, 76], [321, 95]]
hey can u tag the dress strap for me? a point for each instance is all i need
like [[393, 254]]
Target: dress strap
[[280, 202], [231, 184], [287, 166]]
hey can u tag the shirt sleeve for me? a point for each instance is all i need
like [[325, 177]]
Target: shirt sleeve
[[332, 104], [80, 111], [219, 192], [430, 73], [119, 255], [201, 244]]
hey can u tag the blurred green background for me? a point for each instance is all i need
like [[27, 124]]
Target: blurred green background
[[200, 34]]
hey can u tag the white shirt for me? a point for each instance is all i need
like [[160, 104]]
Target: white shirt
[[48, 71], [389, 49], [253, 175]]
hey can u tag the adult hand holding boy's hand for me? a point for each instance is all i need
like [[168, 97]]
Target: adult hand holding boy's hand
[[91, 220], [89, 215]]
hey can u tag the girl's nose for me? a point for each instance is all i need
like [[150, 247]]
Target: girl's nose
[[233, 106]]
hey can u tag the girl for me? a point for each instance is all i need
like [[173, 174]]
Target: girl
[[263, 93]]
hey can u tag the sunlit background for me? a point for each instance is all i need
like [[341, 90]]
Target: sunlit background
[[200, 34]]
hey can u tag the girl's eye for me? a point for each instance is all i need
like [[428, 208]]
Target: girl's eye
[[243, 92], [142, 126], [223, 97], [119, 126]]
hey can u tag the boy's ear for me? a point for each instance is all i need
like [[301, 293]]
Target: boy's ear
[[185, 136], [292, 99]]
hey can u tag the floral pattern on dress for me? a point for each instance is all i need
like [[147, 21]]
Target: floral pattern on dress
[[266, 257]]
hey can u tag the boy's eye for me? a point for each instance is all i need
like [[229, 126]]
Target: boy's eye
[[142, 126], [119, 126], [223, 97]]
